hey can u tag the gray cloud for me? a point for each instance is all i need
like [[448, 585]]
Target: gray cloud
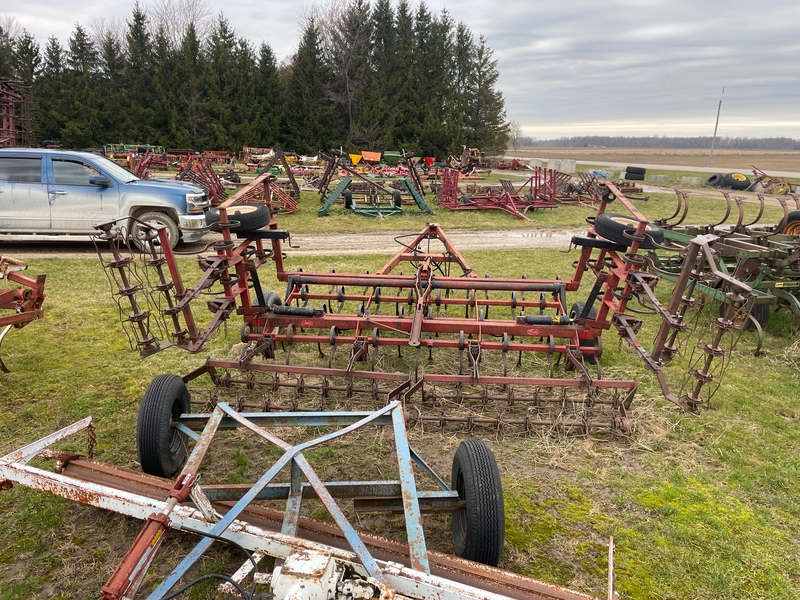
[[620, 67]]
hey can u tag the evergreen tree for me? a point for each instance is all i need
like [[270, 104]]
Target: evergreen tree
[[189, 95], [49, 117], [27, 58], [82, 128], [163, 77], [376, 126], [312, 121], [486, 122], [112, 67], [6, 55], [404, 81], [269, 105], [139, 97]]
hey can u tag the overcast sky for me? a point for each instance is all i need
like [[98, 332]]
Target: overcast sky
[[574, 67]]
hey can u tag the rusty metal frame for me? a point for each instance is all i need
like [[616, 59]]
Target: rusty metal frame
[[233, 513], [25, 300]]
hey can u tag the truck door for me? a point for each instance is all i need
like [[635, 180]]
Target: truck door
[[23, 195], [75, 204]]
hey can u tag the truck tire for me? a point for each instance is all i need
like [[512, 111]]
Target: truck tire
[[248, 217], [397, 199], [637, 170], [348, 198], [633, 176], [154, 218], [618, 228]]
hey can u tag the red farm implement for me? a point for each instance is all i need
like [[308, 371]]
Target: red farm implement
[[200, 170], [345, 338], [505, 198], [24, 301]]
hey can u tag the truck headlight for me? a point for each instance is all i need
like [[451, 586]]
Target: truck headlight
[[197, 202]]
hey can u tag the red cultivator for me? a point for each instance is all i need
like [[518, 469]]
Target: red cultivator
[[25, 300], [336, 339], [541, 194]]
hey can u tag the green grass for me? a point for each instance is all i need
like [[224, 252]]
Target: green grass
[[699, 506]]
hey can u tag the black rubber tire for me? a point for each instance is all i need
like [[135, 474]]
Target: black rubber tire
[[528, 197], [760, 313], [575, 312], [348, 198], [162, 448], [736, 181], [397, 199], [633, 176], [159, 218], [479, 529], [614, 227], [248, 216], [715, 180], [639, 170], [791, 224], [464, 200], [270, 299]]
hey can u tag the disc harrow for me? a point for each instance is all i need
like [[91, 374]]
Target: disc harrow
[[459, 350]]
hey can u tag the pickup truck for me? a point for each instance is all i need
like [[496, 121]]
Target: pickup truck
[[48, 194]]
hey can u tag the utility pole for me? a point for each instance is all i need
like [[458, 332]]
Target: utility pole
[[714, 139]]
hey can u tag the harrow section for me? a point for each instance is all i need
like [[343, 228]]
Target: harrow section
[[459, 350]]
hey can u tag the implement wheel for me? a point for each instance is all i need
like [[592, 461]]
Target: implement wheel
[[759, 313], [161, 446], [791, 224], [619, 228], [479, 528], [248, 217]]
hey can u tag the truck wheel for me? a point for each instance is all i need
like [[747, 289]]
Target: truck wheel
[[162, 447], [154, 218], [617, 228], [479, 528], [248, 217], [397, 199]]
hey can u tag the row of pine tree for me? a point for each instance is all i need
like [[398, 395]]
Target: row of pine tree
[[363, 78]]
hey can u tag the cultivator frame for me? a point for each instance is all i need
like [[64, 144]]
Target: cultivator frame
[[505, 198], [25, 300], [439, 289]]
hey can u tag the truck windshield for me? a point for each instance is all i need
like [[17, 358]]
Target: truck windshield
[[117, 172]]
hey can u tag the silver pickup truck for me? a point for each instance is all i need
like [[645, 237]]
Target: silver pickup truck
[[59, 195]]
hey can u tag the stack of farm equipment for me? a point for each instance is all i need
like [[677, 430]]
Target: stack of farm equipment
[[337, 353], [24, 300]]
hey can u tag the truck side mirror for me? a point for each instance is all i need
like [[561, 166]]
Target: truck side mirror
[[99, 180]]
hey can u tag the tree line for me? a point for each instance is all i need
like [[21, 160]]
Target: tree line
[[363, 77], [703, 142]]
